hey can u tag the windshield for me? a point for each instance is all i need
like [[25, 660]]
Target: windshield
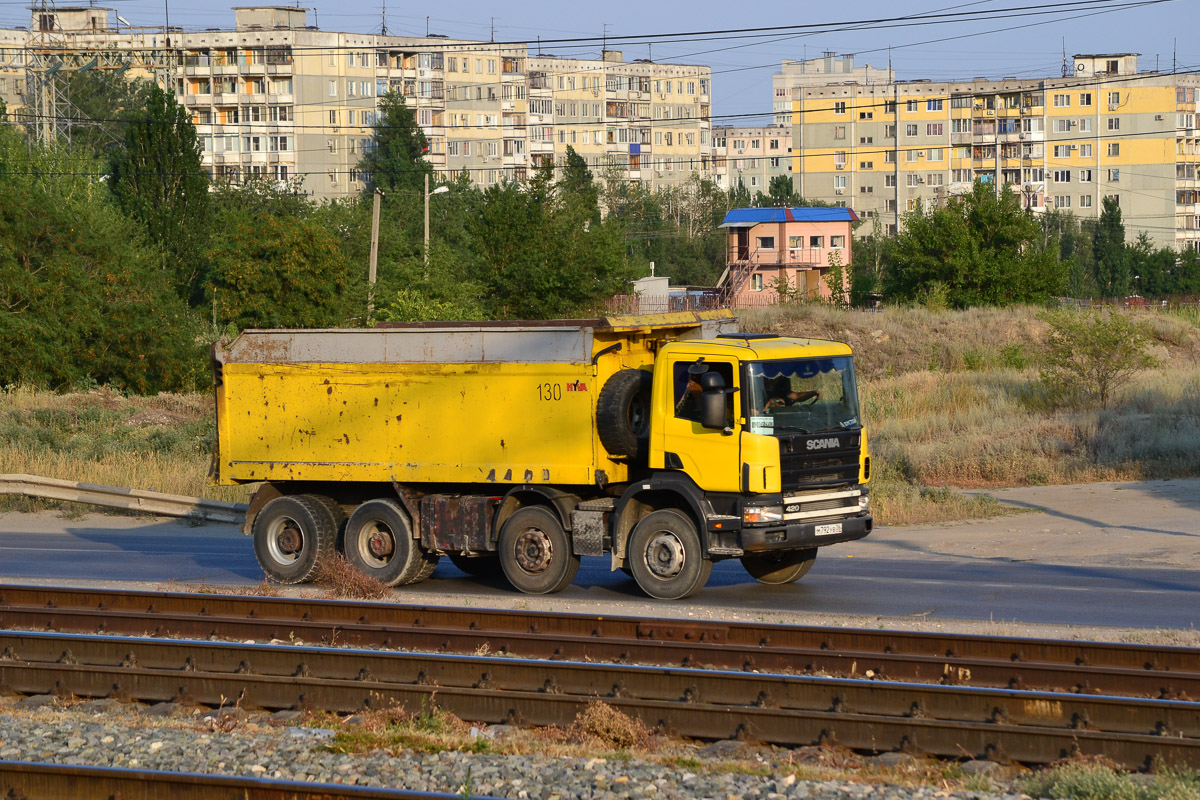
[[809, 395]]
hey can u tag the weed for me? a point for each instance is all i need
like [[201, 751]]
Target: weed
[[343, 580], [608, 726], [1099, 781]]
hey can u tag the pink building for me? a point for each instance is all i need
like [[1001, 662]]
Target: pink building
[[773, 251]]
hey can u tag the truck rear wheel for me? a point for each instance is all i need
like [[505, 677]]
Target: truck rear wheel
[[780, 567], [665, 556], [623, 413], [291, 534], [535, 552], [380, 544]]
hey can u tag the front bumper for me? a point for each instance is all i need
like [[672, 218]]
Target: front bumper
[[803, 535]]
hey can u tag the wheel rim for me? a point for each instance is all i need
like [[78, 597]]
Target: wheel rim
[[665, 556], [376, 545], [285, 540], [637, 416], [533, 551]]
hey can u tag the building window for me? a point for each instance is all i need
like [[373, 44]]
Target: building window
[[1085, 125], [1085, 99], [1085, 151], [333, 88], [1062, 176], [934, 154], [839, 107], [866, 165], [1062, 100], [889, 181], [1114, 148], [1085, 176], [934, 128], [839, 181], [837, 241], [816, 241], [1114, 123], [866, 190], [866, 115], [910, 130], [1085, 201], [910, 105], [1114, 99], [766, 242], [1062, 201], [1114, 174], [756, 282], [839, 131], [933, 105], [1063, 125]]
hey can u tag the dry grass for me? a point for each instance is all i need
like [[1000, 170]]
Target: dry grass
[[342, 580], [608, 727]]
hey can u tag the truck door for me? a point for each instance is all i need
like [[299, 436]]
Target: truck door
[[712, 458]]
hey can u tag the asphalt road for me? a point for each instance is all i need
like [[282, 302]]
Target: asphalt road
[[1123, 555]]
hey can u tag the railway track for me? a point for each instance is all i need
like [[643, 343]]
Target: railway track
[[37, 781], [952, 659], [951, 715]]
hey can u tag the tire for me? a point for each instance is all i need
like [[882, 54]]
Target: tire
[[291, 535], [665, 556], [338, 516], [477, 566], [535, 552], [380, 544], [623, 413], [780, 567]]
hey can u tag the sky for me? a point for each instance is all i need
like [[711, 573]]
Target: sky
[[1027, 43]]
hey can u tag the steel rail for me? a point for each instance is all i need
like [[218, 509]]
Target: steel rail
[[782, 709], [30, 780], [170, 505], [1085, 667]]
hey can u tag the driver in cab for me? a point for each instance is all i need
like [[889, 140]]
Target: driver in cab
[[780, 394]]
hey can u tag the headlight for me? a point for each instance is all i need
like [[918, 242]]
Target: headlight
[[864, 502], [762, 514]]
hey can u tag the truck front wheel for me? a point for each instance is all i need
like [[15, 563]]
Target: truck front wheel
[[380, 544], [778, 568], [665, 556], [535, 552], [291, 534]]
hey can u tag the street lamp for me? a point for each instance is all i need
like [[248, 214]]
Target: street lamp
[[438, 190]]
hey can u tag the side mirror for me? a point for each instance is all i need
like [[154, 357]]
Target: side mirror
[[712, 400]]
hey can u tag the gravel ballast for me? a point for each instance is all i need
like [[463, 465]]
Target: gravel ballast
[[172, 738]]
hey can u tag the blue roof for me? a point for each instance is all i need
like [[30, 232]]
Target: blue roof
[[747, 217]]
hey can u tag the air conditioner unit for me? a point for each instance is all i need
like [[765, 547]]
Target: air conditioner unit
[[1074, 147], [991, 112], [839, 191], [1112, 106], [1158, 117], [1020, 136], [839, 166]]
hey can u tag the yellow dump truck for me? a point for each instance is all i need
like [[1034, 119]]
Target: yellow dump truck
[[667, 442]]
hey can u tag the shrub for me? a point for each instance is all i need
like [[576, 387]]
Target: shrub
[[1089, 355]]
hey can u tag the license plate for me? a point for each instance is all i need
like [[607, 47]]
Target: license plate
[[828, 530]]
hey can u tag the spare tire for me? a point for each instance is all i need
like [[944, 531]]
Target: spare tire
[[623, 413]]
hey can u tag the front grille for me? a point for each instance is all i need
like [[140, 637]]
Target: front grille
[[830, 460], [823, 505]]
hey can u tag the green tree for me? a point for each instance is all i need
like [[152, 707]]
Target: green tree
[[273, 271], [577, 181], [100, 105], [396, 158], [1089, 355], [739, 196], [979, 249], [781, 193], [80, 299], [157, 178], [1110, 251]]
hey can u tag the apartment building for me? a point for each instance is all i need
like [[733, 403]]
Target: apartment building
[[277, 97], [885, 148], [652, 121], [751, 156]]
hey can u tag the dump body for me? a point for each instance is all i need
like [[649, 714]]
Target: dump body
[[421, 404]]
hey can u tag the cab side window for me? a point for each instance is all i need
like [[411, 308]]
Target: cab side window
[[686, 392]]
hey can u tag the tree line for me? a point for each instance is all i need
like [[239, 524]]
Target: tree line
[[122, 260]]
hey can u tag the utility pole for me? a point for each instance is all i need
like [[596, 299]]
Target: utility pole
[[374, 254]]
